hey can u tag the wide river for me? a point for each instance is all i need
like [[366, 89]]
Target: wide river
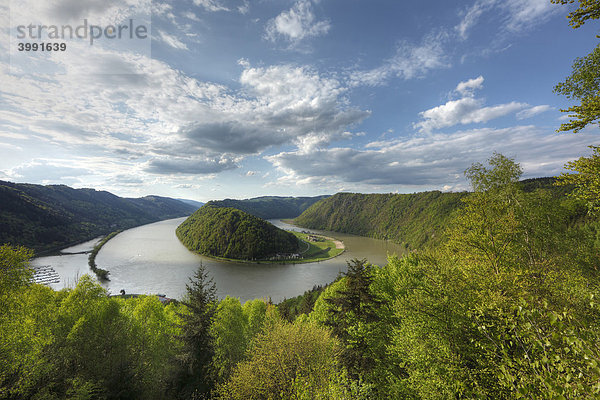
[[150, 259]]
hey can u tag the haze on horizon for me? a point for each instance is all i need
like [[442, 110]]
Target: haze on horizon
[[241, 99]]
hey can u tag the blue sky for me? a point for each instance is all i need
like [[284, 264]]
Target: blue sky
[[236, 98]]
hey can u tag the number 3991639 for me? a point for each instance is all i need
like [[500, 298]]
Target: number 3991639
[[41, 46]]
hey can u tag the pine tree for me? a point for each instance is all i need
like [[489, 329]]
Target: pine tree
[[353, 316], [198, 349]]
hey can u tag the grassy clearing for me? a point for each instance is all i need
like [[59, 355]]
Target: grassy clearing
[[322, 249]]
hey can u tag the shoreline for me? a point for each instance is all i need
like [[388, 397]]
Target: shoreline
[[102, 274], [339, 245]]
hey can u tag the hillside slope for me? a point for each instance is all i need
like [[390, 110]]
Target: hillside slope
[[413, 219], [54, 216], [270, 207], [232, 233]]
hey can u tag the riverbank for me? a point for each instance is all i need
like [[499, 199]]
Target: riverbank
[[320, 247], [102, 274]]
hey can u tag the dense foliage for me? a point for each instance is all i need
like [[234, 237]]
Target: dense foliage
[[583, 85], [292, 308], [55, 216], [270, 207], [232, 233], [586, 179]]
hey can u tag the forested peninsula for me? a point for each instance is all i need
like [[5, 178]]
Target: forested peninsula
[[227, 232]]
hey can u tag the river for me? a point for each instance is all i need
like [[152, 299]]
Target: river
[[150, 259]]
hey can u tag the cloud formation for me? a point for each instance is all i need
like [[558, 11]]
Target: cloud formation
[[171, 40], [463, 111], [144, 111], [296, 24], [433, 161], [515, 15], [468, 109], [189, 166], [410, 61], [532, 111], [468, 88], [240, 6]]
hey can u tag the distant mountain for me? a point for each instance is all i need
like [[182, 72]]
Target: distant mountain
[[194, 203], [270, 207], [54, 216], [231, 233]]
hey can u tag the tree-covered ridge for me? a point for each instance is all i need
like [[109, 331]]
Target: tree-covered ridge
[[54, 216], [414, 219], [231, 233], [270, 207]]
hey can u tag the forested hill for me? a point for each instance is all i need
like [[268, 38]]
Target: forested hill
[[54, 216], [231, 233], [269, 207], [415, 220]]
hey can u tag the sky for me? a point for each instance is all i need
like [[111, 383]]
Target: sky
[[239, 98]]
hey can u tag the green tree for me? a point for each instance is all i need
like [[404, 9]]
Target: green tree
[[584, 82], [483, 233], [503, 173], [353, 318], [229, 338], [287, 361], [153, 332], [586, 179], [14, 272], [587, 9], [198, 348], [254, 314], [91, 342], [583, 85]]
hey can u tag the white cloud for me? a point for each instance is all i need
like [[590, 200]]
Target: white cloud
[[57, 12], [47, 171], [525, 14], [296, 24], [192, 16], [530, 112], [244, 8], [297, 103], [240, 6], [410, 61], [514, 15], [434, 161], [211, 5], [463, 111], [471, 17], [171, 40], [467, 88], [10, 147]]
